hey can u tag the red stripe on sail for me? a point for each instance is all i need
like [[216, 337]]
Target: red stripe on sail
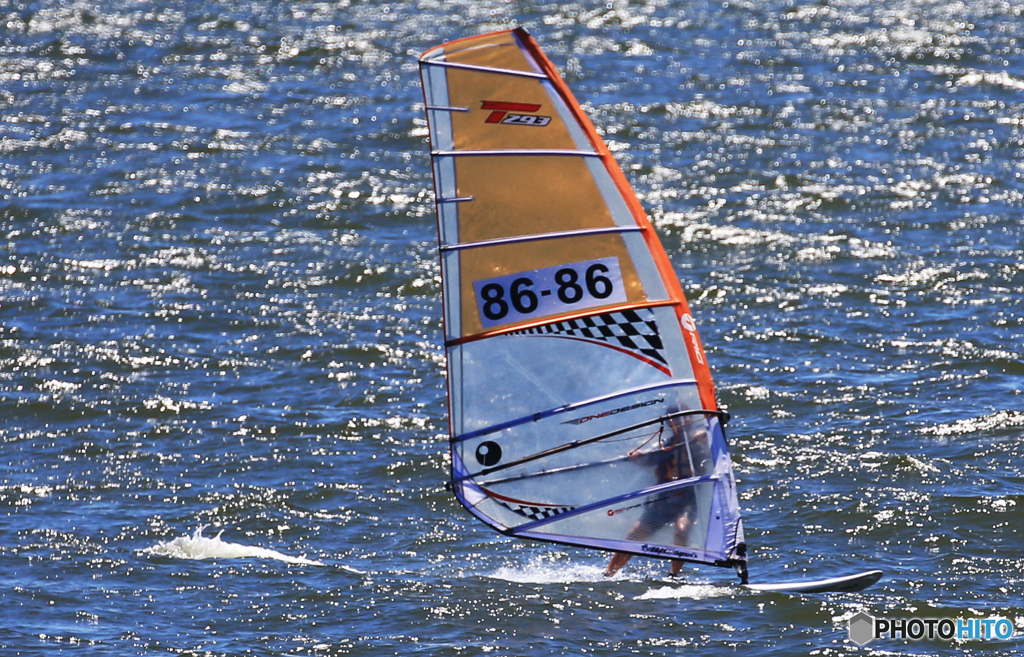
[[509, 107]]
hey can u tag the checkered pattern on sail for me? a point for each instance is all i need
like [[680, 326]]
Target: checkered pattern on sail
[[533, 511], [634, 330]]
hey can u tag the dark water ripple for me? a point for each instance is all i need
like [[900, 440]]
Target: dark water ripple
[[219, 306]]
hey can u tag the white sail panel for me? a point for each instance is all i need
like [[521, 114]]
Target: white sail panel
[[497, 384]]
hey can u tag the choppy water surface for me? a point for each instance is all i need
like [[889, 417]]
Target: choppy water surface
[[219, 308]]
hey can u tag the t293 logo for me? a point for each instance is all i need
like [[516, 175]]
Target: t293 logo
[[512, 113]]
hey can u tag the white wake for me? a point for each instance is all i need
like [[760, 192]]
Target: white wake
[[686, 592], [198, 546], [548, 570], [542, 571]]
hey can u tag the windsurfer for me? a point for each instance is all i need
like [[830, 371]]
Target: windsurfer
[[685, 453]]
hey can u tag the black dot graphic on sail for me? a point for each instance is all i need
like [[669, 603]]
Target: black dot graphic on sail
[[488, 453]]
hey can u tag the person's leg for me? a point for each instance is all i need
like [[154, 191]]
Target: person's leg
[[617, 561], [641, 530], [683, 526]]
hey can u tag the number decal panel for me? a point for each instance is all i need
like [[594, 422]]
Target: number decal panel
[[549, 291]]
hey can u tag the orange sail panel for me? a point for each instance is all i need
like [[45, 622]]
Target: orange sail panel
[[582, 408]]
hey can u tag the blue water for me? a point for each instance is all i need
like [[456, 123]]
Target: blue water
[[219, 311]]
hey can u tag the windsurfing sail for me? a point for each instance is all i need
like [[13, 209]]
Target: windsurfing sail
[[581, 406]]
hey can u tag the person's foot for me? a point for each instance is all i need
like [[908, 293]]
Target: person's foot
[[617, 561]]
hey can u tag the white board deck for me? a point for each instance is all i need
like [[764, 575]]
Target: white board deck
[[845, 584]]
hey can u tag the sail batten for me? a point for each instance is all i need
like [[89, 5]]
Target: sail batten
[[512, 152], [542, 236], [442, 108], [485, 69], [581, 406]]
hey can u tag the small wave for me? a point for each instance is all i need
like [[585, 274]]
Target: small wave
[[198, 546], [1000, 420]]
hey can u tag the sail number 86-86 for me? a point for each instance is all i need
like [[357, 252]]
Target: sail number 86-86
[[525, 300], [548, 291]]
